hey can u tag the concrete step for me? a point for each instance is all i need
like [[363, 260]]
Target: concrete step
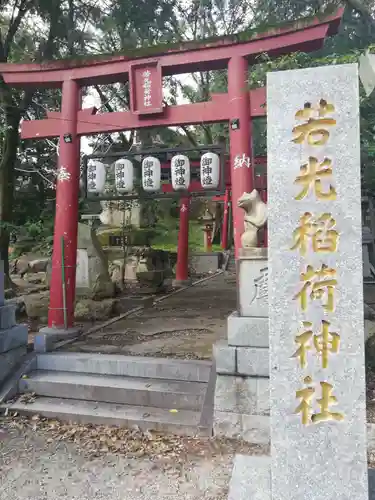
[[183, 422], [158, 393], [128, 366]]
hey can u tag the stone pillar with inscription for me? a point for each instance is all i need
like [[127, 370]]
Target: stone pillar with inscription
[[317, 378], [242, 363], [317, 365]]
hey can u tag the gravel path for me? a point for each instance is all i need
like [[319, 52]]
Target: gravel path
[[32, 469], [36, 465]]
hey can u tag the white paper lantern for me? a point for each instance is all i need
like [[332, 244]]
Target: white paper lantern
[[124, 176], [180, 171], [96, 175], [151, 174], [210, 170]]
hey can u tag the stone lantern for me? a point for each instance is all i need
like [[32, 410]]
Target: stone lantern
[[207, 221]]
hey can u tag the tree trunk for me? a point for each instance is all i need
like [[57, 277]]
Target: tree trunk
[[7, 163], [218, 217]]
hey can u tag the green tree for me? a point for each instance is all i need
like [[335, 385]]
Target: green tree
[[31, 30]]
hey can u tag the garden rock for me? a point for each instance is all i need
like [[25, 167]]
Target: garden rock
[[36, 305], [92, 310], [39, 265]]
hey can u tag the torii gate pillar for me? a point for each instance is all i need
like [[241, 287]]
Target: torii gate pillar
[[182, 265], [66, 223], [240, 140]]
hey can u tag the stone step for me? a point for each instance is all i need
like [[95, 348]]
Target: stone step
[[182, 422], [128, 366], [158, 393]]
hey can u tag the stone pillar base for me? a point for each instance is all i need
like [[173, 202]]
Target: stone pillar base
[[181, 283], [47, 337]]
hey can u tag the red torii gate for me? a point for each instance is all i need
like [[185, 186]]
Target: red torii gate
[[238, 106]]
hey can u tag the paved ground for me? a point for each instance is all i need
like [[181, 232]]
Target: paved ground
[[185, 325], [37, 464]]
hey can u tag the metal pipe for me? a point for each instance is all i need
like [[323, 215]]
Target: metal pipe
[[155, 150], [63, 282]]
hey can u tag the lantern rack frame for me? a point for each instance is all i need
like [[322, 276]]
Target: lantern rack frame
[[142, 195]]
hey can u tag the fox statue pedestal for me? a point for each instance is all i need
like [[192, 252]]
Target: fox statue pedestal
[[242, 363]]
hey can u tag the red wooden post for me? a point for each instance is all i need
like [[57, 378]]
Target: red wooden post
[[240, 141], [182, 267], [66, 219], [224, 230]]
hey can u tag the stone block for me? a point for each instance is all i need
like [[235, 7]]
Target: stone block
[[9, 388], [253, 286], [235, 394], [263, 395], [253, 361], [248, 395], [251, 478], [251, 428], [82, 272], [205, 262], [303, 446], [247, 331], [225, 358], [130, 273], [9, 361], [7, 316], [92, 277], [14, 337], [151, 278]]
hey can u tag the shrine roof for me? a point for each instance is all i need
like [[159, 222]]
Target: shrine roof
[[305, 34]]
